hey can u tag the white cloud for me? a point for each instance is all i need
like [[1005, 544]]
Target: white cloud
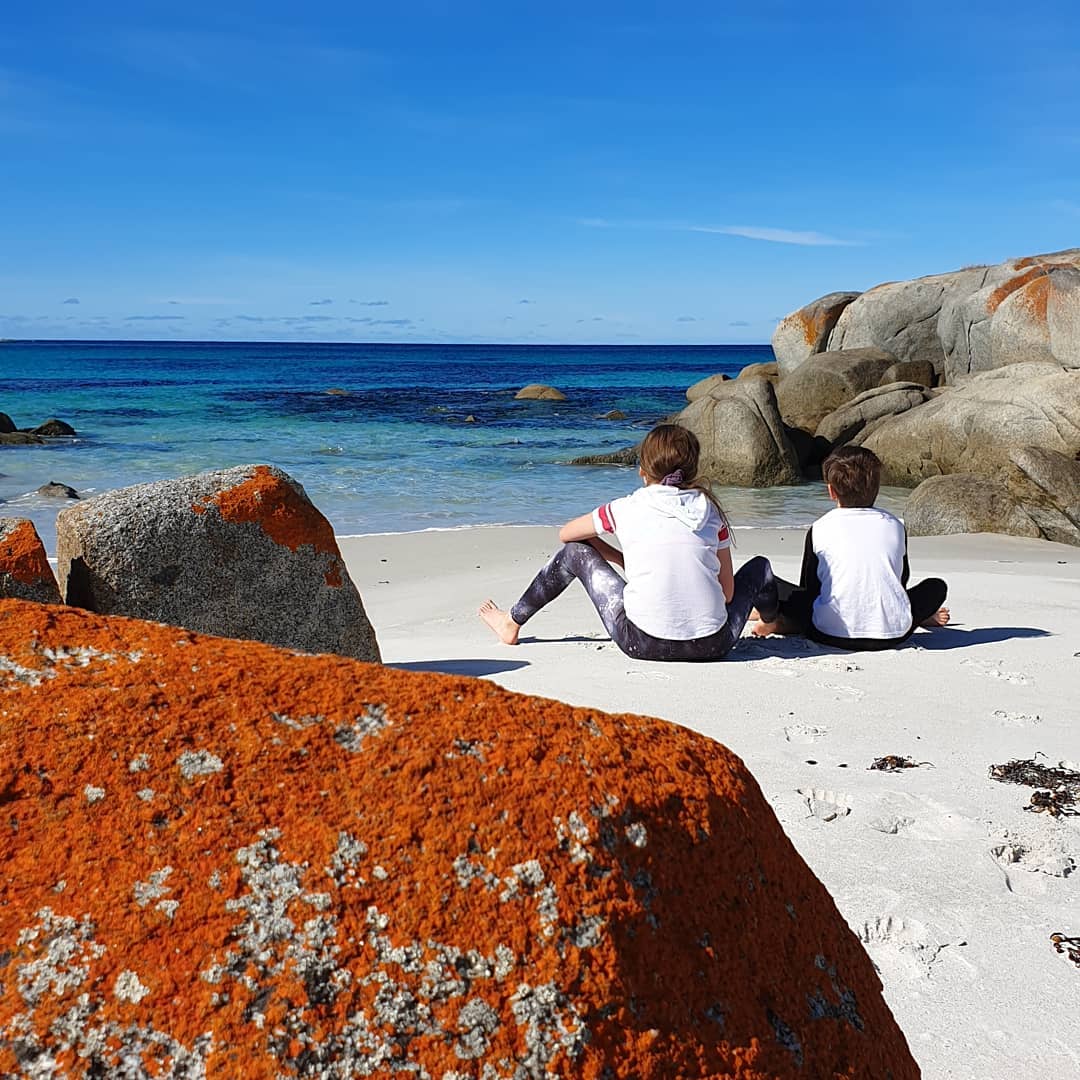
[[768, 233], [805, 238]]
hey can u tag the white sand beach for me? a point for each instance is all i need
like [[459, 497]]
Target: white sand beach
[[952, 886]]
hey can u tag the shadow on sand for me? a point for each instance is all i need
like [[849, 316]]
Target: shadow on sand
[[476, 668], [952, 637]]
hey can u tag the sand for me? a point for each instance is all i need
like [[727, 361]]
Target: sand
[[953, 888]]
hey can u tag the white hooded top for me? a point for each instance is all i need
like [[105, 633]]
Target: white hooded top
[[669, 539]]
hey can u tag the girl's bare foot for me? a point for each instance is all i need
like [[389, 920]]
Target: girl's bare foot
[[939, 618], [506, 630], [764, 629]]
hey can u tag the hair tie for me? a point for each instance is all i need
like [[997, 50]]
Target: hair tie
[[673, 479]]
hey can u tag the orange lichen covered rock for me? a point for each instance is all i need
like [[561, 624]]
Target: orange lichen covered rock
[[237, 552], [25, 573], [806, 331], [222, 859]]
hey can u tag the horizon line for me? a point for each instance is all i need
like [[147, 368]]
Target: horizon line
[[409, 344]]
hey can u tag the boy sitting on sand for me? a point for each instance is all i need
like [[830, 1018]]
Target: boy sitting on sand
[[852, 593]]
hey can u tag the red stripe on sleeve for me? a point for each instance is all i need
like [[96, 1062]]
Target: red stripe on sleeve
[[723, 534], [607, 519]]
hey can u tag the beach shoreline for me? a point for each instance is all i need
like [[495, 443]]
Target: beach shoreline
[[952, 886]]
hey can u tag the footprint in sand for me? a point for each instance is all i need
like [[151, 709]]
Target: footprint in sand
[[830, 663], [891, 824], [775, 665], [804, 733], [1018, 718], [1037, 853], [901, 947], [992, 669], [841, 688], [826, 805]]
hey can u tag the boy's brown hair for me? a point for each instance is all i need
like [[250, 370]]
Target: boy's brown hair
[[854, 474]]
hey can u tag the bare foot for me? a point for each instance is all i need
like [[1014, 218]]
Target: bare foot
[[506, 630], [764, 629], [939, 618]]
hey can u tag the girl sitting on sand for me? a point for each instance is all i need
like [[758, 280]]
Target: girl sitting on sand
[[680, 599]]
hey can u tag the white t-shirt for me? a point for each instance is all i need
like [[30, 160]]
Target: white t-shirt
[[669, 539], [860, 558]]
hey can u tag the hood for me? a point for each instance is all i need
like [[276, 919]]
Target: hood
[[690, 507]]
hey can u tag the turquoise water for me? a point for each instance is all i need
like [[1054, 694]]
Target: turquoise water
[[394, 453]]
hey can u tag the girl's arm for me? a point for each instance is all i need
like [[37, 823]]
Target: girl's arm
[[581, 528], [727, 574]]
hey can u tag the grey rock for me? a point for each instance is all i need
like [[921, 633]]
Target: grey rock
[[54, 429], [972, 428], [7, 425], [964, 503], [706, 386], [25, 573], [806, 331], [614, 414], [743, 441], [902, 316], [19, 438], [628, 455], [890, 399], [769, 369], [827, 381], [1047, 485], [337, 391], [920, 372], [539, 392], [55, 490], [238, 552]]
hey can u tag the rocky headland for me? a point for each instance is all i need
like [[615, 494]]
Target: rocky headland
[[965, 384]]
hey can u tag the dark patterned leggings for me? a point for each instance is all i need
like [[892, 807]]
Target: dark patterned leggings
[[754, 587]]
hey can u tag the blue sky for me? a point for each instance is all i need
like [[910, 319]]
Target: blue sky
[[558, 172]]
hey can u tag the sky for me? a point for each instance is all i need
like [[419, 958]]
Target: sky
[[498, 172]]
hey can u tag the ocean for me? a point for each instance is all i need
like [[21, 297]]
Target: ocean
[[394, 453]]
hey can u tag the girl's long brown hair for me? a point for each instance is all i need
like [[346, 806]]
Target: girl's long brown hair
[[669, 449]]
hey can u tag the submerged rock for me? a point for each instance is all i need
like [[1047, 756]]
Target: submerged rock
[[239, 552], [54, 429], [258, 864], [55, 490], [25, 573], [19, 438], [628, 455], [539, 392]]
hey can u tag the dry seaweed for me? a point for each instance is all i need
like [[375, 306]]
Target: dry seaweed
[[894, 762], [1067, 946], [1059, 787]]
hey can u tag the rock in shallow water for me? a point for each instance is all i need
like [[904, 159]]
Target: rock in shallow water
[[539, 392], [239, 552], [257, 864]]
